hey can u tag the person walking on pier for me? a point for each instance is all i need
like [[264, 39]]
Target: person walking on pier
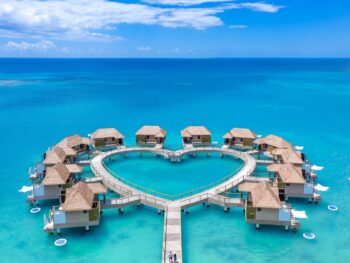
[[175, 259], [170, 257]]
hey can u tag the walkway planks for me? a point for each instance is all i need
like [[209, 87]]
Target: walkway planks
[[172, 237], [172, 217]]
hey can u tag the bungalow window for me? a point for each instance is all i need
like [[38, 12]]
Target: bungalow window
[[147, 137], [259, 209], [241, 139], [113, 139], [287, 184], [85, 211], [198, 137], [105, 139]]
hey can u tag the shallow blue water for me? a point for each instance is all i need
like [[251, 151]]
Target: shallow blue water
[[305, 101], [175, 179]]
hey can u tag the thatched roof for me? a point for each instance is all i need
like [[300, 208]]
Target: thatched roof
[[78, 198], [240, 133], [97, 188], [288, 173], [195, 131], [70, 151], [57, 175], [274, 141], [263, 194], [57, 155], [288, 155], [151, 131], [74, 168], [107, 133], [72, 141]]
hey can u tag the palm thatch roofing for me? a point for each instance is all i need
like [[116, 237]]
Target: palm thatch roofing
[[74, 168], [195, 131], [97, 188], [288, 173], [78, 198], [263, 194], [156, 131], [107, 133], [57, 155], [73, 141], [240, 133], [288, 155], [274, 141], [57, 175]]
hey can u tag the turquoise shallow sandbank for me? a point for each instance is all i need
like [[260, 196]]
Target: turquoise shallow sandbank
[[306, 101]]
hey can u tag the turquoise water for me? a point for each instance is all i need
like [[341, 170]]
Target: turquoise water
[[172, 179], [305, 101]]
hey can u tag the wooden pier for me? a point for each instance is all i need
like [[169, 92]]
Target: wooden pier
[[172, 208], [172, 234]]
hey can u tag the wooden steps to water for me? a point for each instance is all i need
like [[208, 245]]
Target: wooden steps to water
[[264, 162]]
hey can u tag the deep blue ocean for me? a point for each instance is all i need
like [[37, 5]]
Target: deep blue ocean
[[306, 101]]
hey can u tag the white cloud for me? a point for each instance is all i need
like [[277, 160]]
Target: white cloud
[[262, 7], [96, 19], [144, 49], [183, 2], [238, 26], [86, 19], [41, 46]]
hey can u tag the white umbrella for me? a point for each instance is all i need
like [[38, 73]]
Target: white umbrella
[[299, 214], [25, 189], [299, 148], [321, 188], [317, 168]]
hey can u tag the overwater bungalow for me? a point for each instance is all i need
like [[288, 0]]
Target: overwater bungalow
[[51, 158], [265, 206], [151, 136], [287, 155], [240, 137], [80, 208], [271, 142], [196, 136], [75, 142], [57, 178], [59, 155], [107, 137], [291, 179]]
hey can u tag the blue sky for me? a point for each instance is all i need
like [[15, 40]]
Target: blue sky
[[174, 28]]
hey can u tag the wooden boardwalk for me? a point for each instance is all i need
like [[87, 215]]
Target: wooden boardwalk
[[172, 234], [172, 208]]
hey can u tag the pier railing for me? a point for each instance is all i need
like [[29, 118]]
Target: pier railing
[[126, 192], [176, 196], [110, 176]]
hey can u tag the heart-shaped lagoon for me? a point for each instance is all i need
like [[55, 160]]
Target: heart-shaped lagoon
[[170, 178]]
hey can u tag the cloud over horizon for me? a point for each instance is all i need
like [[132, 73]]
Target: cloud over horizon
[[98, 19], [43, 45]]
